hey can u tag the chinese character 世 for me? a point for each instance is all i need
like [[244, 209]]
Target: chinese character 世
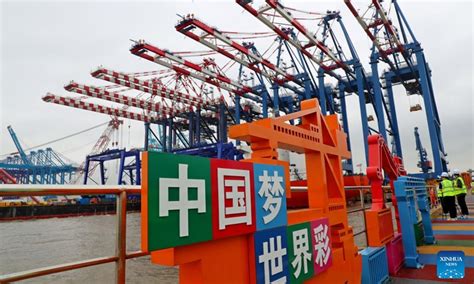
[[272, 259]]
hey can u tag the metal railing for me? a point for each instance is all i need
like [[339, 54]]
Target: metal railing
[[363, 190], [121, 254], [362, 193]]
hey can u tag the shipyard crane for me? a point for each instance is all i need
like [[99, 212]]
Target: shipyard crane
[[424, 164], [38, 167], [395, 44], [151, 88], [80, 104], [100, 146], [6, 178], [18, 146], [199, 123], [168, 136], [314, 49], [170, 60], [115, 97], [323, 48], [246, 54]]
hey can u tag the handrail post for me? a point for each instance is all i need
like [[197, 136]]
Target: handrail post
[[362, 198], [121, 244]]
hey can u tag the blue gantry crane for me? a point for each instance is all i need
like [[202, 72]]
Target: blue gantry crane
[[395, 44], [425, 165], [44, 166], [304, 55]]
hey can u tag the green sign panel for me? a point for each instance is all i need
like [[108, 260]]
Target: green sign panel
[[179, 200], [300, 252]]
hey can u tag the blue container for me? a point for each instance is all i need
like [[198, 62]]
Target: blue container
[[374, 265]]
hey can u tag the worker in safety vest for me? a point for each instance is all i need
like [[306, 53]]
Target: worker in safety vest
[[460, 190], [440, 193], [449, 200]]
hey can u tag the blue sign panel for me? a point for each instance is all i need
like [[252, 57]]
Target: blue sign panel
[[450, 264], [270, 196], [271, 256]]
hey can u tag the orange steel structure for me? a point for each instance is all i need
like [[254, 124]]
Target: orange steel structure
[[379, 218], [324, 144]]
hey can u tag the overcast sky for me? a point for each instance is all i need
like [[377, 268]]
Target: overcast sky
[[44, 45]]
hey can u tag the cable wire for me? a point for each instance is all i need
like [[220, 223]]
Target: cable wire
[[67, 136]]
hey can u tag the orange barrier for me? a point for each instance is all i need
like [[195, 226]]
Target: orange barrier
[[466, 176], [379, 218], [238, 258]]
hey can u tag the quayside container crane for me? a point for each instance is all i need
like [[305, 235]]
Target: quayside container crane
[[395, 44], [44, 166]]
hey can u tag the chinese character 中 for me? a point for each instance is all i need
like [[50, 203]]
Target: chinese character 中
[[240, 199], [272, 190], [322, 248], [301, 251], [272, 259], [183, 205]]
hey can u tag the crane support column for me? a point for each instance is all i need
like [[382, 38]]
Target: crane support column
[[393, 114], [147, 133], [86, 171], [378, 98], [322, 91], [191, 129], [102, 172], [435, 132], [198, 127], [363, 110], [170, 135], [122, 165], [345, 125], [165, 134]]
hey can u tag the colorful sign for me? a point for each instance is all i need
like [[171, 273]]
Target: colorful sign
[[322, 255], [232, 198], [270, 196], [300, 252], [179, 200], [192, 200], [271, 256]]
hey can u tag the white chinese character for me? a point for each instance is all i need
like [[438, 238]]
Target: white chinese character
[[183, 205], [272, 260], [301, 251], [240, 200], [272, 190], [323, 250]]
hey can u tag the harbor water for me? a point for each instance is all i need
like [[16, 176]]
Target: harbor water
[[33, 244]]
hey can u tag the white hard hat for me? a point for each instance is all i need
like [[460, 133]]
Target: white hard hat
[[444, 174], [456, 172]]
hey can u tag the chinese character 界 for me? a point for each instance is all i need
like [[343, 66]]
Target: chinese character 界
[[301, 251]]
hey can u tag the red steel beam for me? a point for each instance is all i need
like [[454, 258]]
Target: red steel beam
[[187, 28], [79, 104], [163, 57], [383, 20], [260, 15], [100, 93], [150, 87]]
